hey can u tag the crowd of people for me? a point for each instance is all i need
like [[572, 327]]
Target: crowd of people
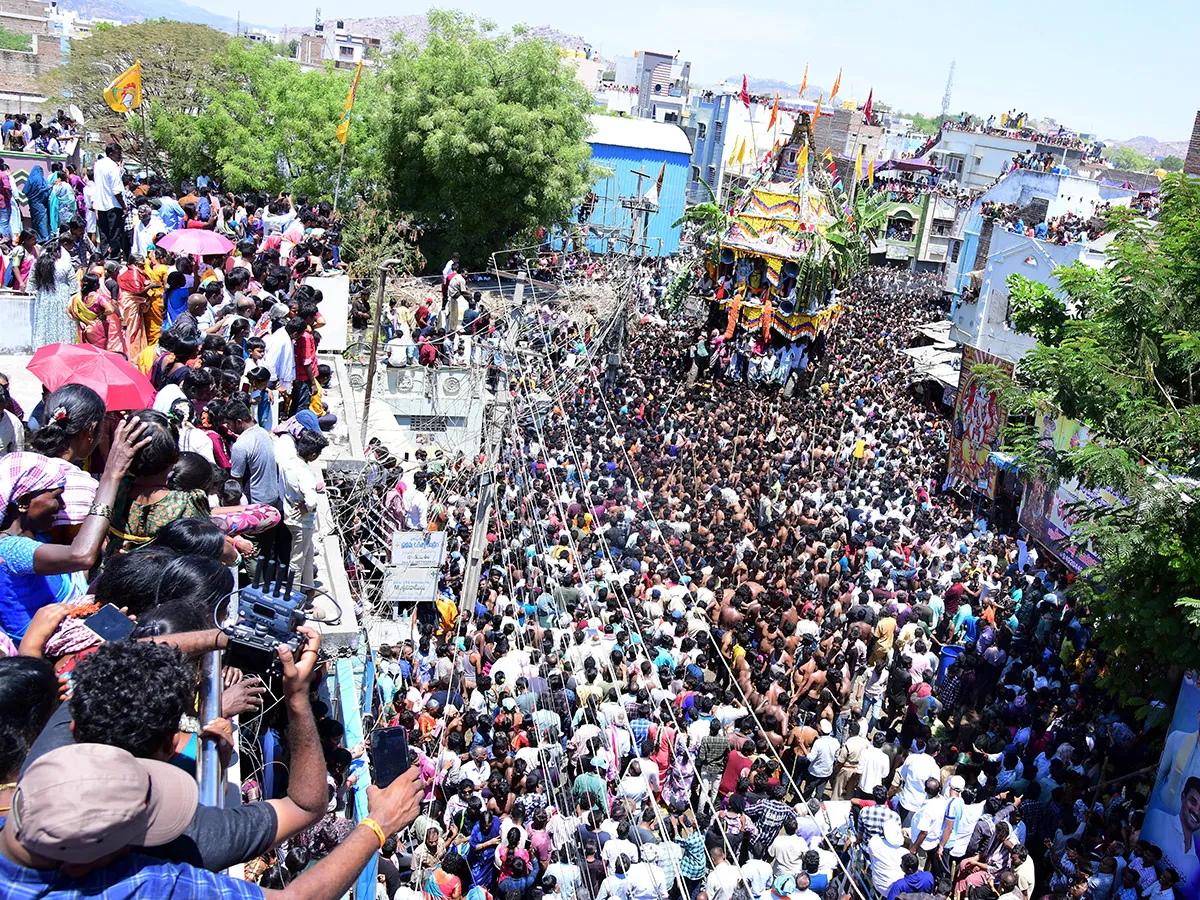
[[727, 643], [1067, 228], [733, 644]]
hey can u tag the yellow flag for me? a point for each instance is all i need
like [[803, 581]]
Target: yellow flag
[[804, 81], [837, 83], [742, 152], [733, 153], [125, 92], [858, 173], [802, 160], [871, 172], [343, 129]]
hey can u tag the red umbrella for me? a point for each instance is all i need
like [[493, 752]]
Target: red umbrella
[[195, 242], [117, 381]]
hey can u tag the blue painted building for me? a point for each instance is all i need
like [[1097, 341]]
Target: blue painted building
[[623, 149], [709, 121]]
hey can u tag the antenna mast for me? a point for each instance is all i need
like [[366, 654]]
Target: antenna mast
[[949, 88]]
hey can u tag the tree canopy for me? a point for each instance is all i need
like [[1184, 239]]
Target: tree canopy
[[1129, 160], [177, 73], [485, 136], [264, 123], [1120, 353]]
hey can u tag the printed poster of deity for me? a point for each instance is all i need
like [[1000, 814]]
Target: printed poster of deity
[[978, 420]]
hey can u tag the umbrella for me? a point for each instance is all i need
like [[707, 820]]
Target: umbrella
[[117, 381], [195, 242]]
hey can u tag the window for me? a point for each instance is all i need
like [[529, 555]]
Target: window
[[695, 174], [717, 130], [701, 131], [954, 251], [346, 52], [433, 424], [712, 177]]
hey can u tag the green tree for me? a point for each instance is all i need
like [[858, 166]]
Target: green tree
[[1125, 361], [14, 40], [1128, 159], [176, 72], [266, 124], [1170, 163], [486, 136]]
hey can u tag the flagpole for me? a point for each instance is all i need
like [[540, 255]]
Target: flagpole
[[145, 141], [337, 185]]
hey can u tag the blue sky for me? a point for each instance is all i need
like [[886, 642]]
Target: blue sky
[[1117, 69]]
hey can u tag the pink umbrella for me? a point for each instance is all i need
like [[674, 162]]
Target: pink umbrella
[[195, 242], [117, 381]]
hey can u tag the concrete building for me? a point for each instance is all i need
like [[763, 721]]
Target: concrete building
[[1038, 196], [845, 133], [345, 49], [438, 408], [708, 120], [917, 233], [662, 86], [20, 70], [976, 159], [632, 153]]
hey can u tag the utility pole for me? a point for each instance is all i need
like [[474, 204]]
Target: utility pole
[[497, 422], [383, 271]]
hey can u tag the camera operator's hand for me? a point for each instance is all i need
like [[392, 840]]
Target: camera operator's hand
[[397, 806], [298, 673]]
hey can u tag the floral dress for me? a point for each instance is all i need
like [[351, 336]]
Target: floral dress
[[52, 322]]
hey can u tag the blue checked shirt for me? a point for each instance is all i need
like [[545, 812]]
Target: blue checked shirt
[[131, 877]]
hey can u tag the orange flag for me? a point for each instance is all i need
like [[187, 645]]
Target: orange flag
[[817, 112], [837, 83], [774, 113], [804, 81]]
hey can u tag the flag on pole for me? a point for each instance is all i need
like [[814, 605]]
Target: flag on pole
[[125, 93], [837, 83], [733, 154], [343, 129], [871, 173], [774, 113], [858, 172], [741, 152], [744, 96], [804, 81], [867, 108], [817, 111], [802, 160], [656, 188]]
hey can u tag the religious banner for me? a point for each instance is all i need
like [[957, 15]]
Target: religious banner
[[978, 420], [1051, 514], [1173, 816]]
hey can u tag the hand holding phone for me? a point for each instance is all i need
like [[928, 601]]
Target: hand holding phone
[[109, 623]]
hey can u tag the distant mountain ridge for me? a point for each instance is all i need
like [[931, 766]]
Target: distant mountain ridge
[[775, 85], [129, 11], [1152, 147]]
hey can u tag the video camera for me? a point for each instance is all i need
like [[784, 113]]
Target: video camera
[[269, 611]]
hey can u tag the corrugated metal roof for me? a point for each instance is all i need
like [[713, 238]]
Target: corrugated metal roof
[[641, 134]]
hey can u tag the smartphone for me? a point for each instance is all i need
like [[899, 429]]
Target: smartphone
[[389, 754], [110, 623]]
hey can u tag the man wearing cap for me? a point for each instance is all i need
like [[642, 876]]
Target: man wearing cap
[[80, 810]]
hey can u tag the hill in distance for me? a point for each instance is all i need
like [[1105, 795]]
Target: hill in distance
[[1153, 148], [775, 85], [129, 11]]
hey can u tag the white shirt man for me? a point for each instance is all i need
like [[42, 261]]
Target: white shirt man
[[823, 755], [873, 768], [916, 769], [145, 232], [645, 880], [723, 880], [886, 850], [110, 184], [280, 358], [788, 851]]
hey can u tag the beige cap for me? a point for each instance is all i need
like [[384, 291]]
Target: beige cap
[[82, 802]]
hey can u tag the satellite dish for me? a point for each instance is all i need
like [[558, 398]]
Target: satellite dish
[[76, 113]]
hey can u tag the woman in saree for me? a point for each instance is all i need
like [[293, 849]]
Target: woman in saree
[[37, 194], [22, 258], [134, 308], [485, 837], [62, 198], [94, 310], [677, 789]]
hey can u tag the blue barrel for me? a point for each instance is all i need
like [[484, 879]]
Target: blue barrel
[[950, 653]]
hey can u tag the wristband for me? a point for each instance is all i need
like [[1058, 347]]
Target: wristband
[[374, 826], [101, 509]]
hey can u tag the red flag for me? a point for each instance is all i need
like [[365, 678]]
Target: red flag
[[867, 109], [744, 96], [774, 113]]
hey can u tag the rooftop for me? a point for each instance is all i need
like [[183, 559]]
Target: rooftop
[[642, 134]]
